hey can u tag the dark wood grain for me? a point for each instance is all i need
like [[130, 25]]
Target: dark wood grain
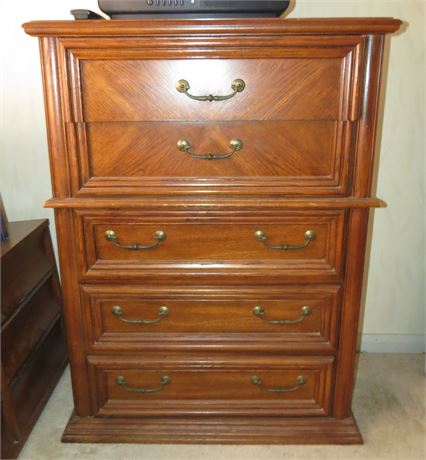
[[33, 347], [31, 392], [12, 438], [24, 331], [19, 231], [24, 263]]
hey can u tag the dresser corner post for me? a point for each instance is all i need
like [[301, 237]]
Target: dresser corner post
[[54, 72], [72, 310], [353, 285], [368, 124]]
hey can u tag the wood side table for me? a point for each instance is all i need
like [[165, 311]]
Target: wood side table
[[34, 352]]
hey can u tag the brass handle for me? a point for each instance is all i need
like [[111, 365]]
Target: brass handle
[[159, 236], [235, 144], [260, 312], [261, 236], [118, 312], [237, 86], [300, 381], [164, 380]]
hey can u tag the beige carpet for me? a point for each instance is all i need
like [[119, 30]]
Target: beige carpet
[[389, 405]]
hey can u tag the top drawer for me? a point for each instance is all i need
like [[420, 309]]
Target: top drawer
[[280, 83]]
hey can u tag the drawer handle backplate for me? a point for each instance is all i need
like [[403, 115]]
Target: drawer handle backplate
[[300, 381], [164, 380], [260, 312], [159, 236], [237, 86], [117, 311], [185, 146], [262, 236]]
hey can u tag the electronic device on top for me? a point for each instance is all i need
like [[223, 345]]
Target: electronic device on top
[[131, 9]]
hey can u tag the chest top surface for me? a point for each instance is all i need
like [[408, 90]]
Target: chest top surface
[[274, 26]]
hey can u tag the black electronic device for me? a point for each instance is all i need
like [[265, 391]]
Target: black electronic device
[[130, 9], [80, 15]]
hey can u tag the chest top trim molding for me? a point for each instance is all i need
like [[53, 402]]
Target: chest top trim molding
[[169, 27]]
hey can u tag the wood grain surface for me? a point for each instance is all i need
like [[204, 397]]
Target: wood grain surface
[[229, 27], [214, 430], [214, 318], [276, 89], [24, 263], [221, 244], [21, 335], [307, 119], [296, 157], [218, 387]]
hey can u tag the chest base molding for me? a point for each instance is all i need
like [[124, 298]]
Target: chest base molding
[[213, 430]]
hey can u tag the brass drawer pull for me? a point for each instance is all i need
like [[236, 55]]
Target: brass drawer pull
[[300, 381], [235, 144], [159, 236], [164, 380], [237, 86], [261, 236], [117, 311], [260, 312]]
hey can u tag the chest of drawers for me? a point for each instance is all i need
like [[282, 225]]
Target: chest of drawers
[[32, 341], [212, 186]]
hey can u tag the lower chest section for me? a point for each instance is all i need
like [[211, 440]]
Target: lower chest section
[[221, 313]]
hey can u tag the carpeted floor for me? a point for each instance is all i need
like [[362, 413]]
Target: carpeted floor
[[389, 405]]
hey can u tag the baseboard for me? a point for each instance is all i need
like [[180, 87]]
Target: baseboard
[[393, 343], [213, 430]]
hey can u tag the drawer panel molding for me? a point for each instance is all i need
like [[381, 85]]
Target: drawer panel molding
[[220, 243], [300, 85], [289, 157], [244, 386], [212, 318]]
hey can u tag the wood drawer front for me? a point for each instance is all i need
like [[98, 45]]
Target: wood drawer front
[[35, 382], [292, 157], [211, 318], [197, 245], [203, 386], [23, 268], [289, 84], [24, 331]]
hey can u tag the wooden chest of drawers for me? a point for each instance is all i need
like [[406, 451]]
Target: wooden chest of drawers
[[212, 186], [32, 341]]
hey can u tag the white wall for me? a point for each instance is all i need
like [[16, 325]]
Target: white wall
[[395, 297]]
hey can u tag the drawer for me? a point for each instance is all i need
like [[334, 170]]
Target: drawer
[[131, 318], [307, 245], [291, 157], [23, 332], [295, 83], [35, 382], [239, 386], [24, 267]]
